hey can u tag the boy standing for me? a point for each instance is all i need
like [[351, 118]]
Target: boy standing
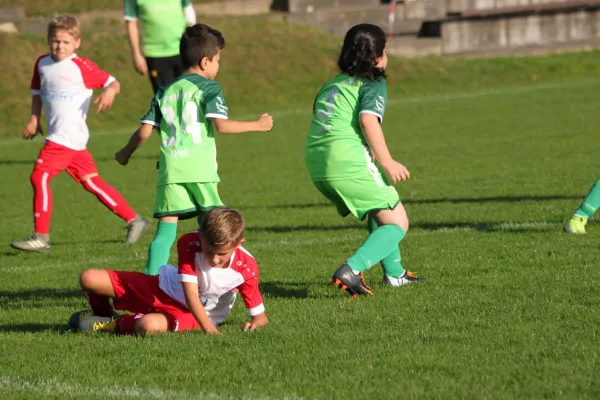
[[163, 21], [198, 294], [63, 83], [184, 112]]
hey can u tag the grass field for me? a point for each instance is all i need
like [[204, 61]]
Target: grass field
[[510, 306]]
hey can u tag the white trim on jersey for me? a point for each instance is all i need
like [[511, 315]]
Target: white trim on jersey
[[109, 81], [216, 116], [188, 278], [371, 112], [148, 122], [130, 19], [256, 310], [190, 15]]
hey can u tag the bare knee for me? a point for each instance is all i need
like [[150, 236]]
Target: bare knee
[[96, 281], [151, 324]]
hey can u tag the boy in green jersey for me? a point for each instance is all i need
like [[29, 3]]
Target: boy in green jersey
[[344, 141], [184, 112]]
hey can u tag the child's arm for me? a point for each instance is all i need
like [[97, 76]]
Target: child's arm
[[374, 136], [34, 126], [256, 322], [190, 291], [263, 124], [107, 97], [137, 139]]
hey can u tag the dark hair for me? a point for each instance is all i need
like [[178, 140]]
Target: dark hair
[[197, 42], [363, 44]]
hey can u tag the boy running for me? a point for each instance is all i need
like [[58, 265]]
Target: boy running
[[198, 294], [184, 112], [63, 83]]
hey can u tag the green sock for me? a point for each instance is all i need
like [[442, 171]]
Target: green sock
[[158, 252], [591, 202], [380, 244], [392, 264]]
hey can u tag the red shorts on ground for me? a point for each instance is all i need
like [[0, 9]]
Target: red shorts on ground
[[137, 292], [55, 158]]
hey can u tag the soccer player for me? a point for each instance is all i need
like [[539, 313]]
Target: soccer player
[[344, 142], [585, 211], [198, 294], [63, 83], [184, 113], [164, 22]]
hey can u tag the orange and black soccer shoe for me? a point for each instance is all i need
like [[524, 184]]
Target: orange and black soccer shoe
[[347, 280]]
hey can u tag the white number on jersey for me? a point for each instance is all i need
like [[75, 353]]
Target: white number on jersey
[[190, 124], [329, 100]]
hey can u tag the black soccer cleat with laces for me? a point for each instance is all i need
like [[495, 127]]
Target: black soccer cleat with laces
[[347, 280]]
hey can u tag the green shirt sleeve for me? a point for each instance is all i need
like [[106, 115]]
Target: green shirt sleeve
[[130, 10], [214, 102], [372, 98], [153, 116], [185, 3]]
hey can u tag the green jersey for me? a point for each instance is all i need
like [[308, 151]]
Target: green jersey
[[183, 111], [336, 148], [163, 22]]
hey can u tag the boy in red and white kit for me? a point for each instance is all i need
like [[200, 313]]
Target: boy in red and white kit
[[63, 83], [198, 294]]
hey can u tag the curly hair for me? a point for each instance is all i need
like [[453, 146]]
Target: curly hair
[[363, 44]]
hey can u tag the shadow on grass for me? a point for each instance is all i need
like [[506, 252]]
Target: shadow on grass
[[284, 290], [467, 200], [490, 227], [96, 159]]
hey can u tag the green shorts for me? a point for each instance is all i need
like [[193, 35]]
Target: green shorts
[[186, 200], [361, 195]]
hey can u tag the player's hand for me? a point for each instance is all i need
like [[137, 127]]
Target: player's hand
[[122, 156], [396, 171], [248, 326], [105, 100], [139, 62], [265, 123], [32, 129], [212, 331]]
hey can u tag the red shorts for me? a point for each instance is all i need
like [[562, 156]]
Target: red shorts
[[137, 292], [55, 158]]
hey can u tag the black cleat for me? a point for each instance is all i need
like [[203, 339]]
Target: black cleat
[[347, 280]]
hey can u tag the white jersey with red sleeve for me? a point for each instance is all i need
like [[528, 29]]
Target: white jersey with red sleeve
[[213, 283], [66, 89]]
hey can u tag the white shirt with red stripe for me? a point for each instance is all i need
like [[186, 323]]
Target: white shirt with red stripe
[[213, 283], [66, 89]]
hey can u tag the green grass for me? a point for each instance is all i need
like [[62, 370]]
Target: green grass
[[510, 305]]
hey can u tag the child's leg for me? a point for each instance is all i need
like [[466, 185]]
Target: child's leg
[[160, 248], [108, 196], [98, 290], [141, 324], [52, 159], [392, 264], [591, 202], [383, 242]]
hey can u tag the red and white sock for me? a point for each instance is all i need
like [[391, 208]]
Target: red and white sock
[[42, 201], [126, 323], [110, 197]]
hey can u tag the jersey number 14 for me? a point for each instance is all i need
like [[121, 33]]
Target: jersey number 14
[[190, 124]]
